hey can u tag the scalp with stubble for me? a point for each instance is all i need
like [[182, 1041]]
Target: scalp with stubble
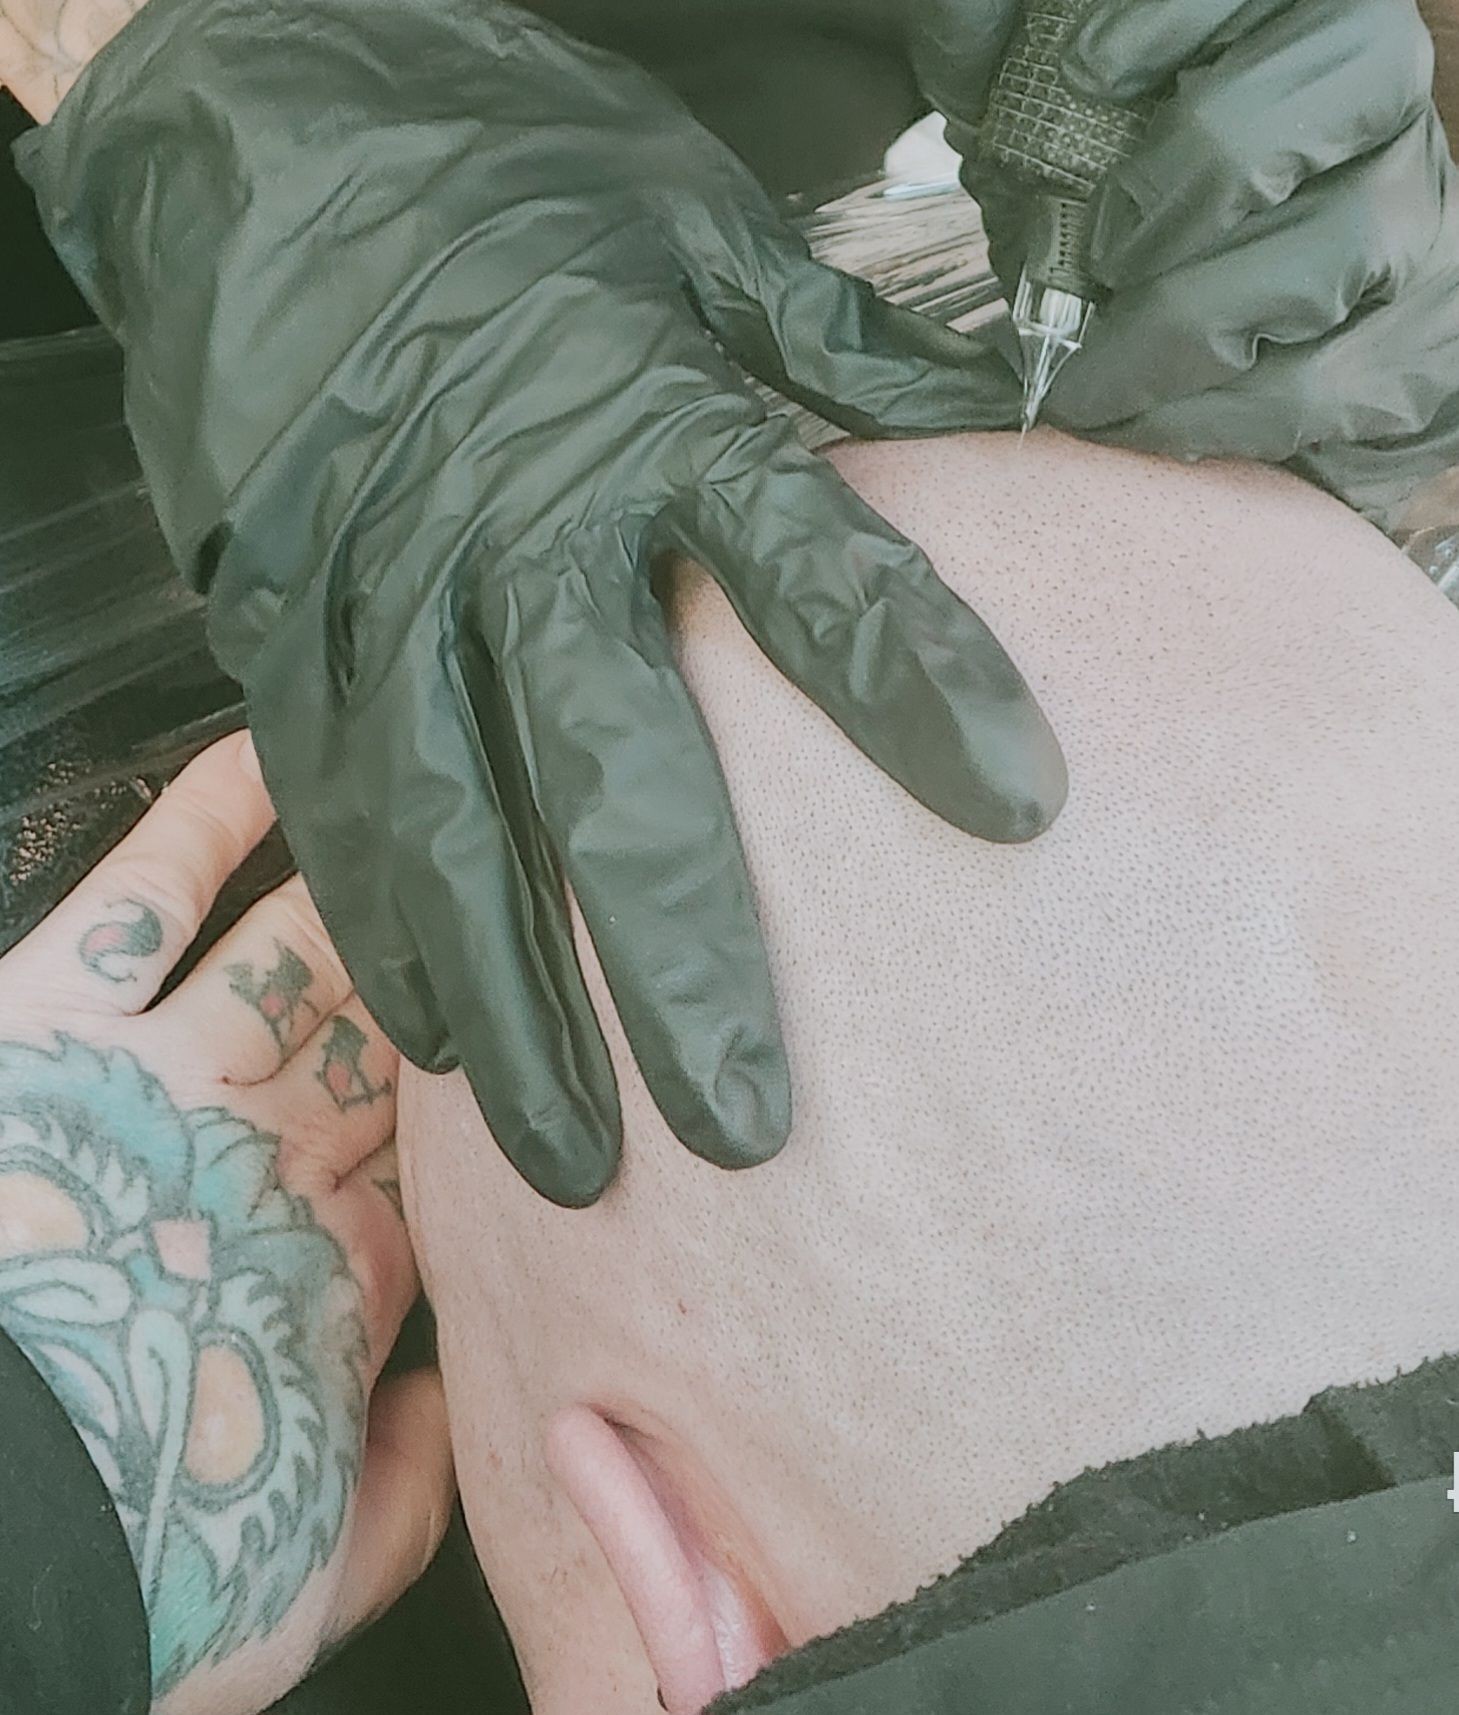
[[1140, 1131]]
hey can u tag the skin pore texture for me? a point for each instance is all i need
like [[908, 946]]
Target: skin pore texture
[[1134, 1133]]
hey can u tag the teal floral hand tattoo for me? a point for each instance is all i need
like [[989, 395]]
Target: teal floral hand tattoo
[[112, 947], [200, 1327]]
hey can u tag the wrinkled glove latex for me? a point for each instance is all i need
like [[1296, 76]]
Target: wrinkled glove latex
[[1282, 252], [416, 300]]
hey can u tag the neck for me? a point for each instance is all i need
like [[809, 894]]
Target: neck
[[45, 45]]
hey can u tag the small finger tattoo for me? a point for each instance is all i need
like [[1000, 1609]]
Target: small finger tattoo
[[279, 995], [342, 1071], [111, 947]]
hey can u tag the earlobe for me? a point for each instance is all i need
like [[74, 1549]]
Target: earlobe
[[704, 1630]]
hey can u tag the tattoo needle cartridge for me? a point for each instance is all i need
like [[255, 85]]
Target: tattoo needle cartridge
[[1059, 145]]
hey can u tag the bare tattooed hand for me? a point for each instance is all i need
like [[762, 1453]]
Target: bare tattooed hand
[[202, 1250]]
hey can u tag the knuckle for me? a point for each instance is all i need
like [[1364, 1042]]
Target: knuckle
[[1226, 143], [1245, 166], [301, 928], [203, 812], [308, 1167]]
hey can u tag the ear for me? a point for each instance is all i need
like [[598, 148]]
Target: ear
[[704, 1629]]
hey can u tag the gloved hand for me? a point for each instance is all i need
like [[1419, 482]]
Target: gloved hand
[[1282, 251], [420, 303]]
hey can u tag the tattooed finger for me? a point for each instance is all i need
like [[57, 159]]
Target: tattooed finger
[[342, 1072], [114, 948], [263, 991], [110, 944], [335, 1100]]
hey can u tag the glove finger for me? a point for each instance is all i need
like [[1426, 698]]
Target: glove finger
[[1297, 99], [856, 616], [1370, 381], [489, 913], [448, 915], [329, 784], [826, 340], [632, 796], [1006, 207], [1336, 249], [1121, 50]]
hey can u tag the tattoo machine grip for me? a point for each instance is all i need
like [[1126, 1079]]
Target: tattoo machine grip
[[1060, 145]]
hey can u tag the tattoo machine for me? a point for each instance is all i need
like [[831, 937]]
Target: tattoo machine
[[1060, 146]]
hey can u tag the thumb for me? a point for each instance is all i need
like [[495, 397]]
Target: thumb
[[404, 1502]]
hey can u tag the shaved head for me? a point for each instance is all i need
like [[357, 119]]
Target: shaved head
[[1135, 1132]]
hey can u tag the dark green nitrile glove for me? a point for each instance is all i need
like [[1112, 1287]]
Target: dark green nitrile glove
[[417, 302], [1282, 251]]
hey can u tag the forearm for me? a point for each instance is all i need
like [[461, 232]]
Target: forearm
[[45, 45]]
